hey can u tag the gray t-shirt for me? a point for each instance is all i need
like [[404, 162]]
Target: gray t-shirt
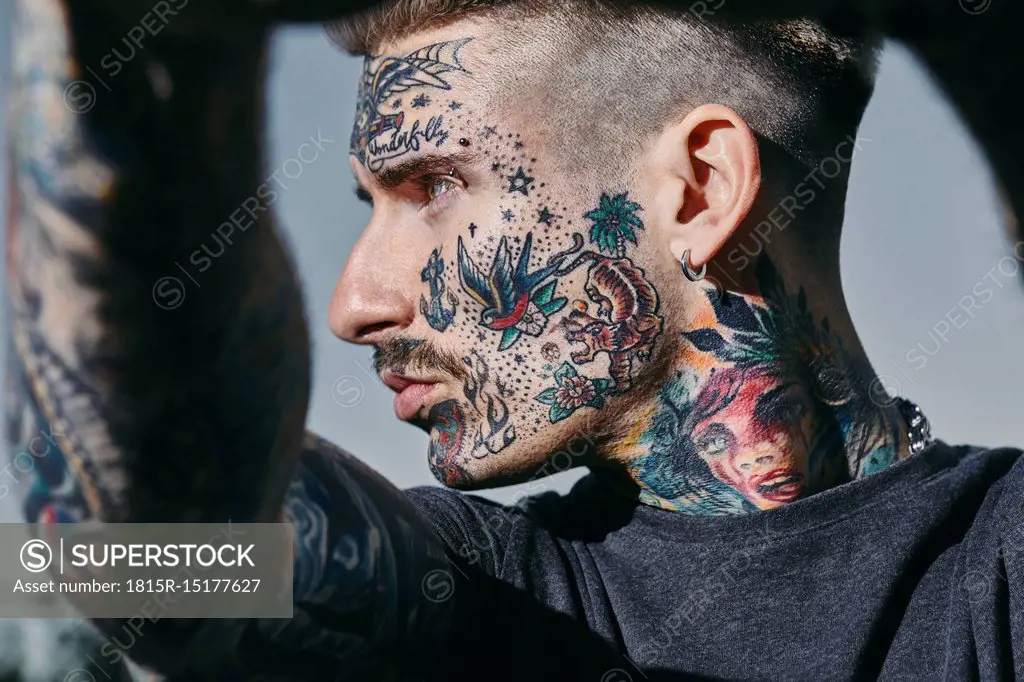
[[913, 573]]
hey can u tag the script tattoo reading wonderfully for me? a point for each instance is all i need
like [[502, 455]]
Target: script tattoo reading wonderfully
[[424, 68], [773, 413], [515, 300], [436, 314]]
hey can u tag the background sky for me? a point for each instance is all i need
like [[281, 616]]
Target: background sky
[[922, 230]]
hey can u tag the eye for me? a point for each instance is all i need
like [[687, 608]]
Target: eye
[[440, 185], [714, 441], [437, 186]]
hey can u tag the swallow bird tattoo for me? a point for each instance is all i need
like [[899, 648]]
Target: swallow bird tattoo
[[515, 301]]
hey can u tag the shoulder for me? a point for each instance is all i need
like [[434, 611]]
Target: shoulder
[[474, 529], [976, 461], [972, 463], [993, 476], [483, 531], [1007, 495], [451, 510]]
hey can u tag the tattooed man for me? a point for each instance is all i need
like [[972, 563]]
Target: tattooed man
[[612, 241]]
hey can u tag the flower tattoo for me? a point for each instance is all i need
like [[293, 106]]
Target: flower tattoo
[[572, 392]]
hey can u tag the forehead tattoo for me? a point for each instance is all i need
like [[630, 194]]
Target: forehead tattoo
[[382, 80]]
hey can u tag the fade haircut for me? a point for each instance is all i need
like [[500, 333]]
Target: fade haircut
[[622, 72]]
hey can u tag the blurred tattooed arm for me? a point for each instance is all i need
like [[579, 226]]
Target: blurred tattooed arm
[[169, 404]]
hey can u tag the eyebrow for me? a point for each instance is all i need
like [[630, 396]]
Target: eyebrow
[[395, 175]]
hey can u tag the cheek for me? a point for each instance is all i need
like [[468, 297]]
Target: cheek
[[726, 468], [731, 464], [516, 242]]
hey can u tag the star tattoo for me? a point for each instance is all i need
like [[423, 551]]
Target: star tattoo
[[420, 101], [519, 359], [396, 104], [455, 106], [481, 336], [488, 132], [520, 182], [507, 215], [545, 216], [496, 166]]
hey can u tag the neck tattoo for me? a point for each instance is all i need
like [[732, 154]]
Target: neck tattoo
[[766, 406]]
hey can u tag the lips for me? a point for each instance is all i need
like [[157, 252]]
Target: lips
[[780, 484], [410, 394]]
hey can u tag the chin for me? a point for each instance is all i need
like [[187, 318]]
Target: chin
[[466, 454], [491, 471]]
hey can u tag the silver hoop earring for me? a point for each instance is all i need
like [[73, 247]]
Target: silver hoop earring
[[719, 290], [691, 274]]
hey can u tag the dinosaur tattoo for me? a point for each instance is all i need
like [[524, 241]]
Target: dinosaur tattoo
[[446, 441]]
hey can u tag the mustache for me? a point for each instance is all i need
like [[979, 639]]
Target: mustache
[[401, 355]]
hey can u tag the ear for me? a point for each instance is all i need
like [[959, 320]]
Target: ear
[[708, 173]]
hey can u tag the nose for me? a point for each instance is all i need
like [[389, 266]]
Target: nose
[[764, 462], [369, 301], [756, 460]]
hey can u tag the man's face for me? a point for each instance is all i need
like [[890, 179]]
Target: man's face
[[509, 305]]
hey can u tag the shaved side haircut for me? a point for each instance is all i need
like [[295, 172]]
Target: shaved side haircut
[[632, 69]]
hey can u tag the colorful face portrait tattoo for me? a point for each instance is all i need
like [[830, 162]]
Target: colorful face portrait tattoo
[[764, 410]]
